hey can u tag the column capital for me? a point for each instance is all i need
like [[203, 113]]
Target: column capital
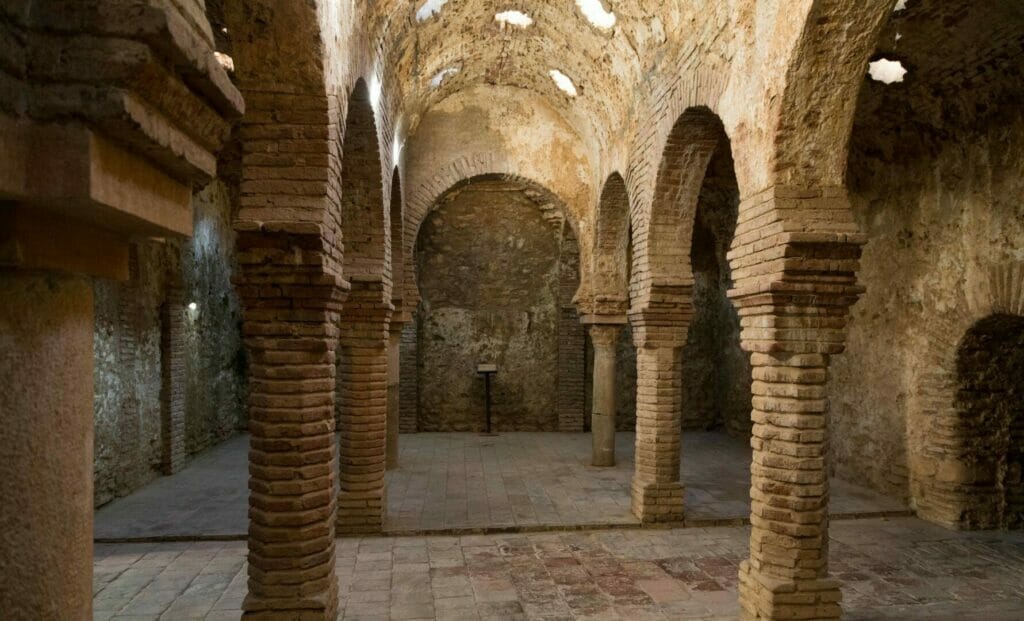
[[604, 335], [600, 319]]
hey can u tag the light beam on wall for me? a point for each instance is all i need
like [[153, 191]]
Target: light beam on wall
[[442, 75]]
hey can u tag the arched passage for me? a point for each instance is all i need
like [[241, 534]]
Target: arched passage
[[497, 267], [661, 292], [362, 375]]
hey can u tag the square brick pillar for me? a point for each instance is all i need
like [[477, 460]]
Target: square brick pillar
[[394, 391], [793, 290], [172, 378], [657, 493], [291, 333], [363, 418]]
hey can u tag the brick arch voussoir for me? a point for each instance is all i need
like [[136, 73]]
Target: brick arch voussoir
[[606, 287], [662, 280], [365, 210], [813, 129]]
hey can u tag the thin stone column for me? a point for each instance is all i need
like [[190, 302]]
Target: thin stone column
[[602, 419], [394, 396], [657, 493], [363, 419], [291, 333], [46, 469]]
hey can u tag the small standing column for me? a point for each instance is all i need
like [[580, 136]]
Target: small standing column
[[657, 492], [364, 413], [604, 338], [394, 394]]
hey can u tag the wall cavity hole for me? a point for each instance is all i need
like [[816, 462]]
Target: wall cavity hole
[[429, 9], [886, 71], [901, 5], [563, 82], [596, 13], [514, 18]]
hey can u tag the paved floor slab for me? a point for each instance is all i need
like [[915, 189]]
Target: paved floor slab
[[891, 569], [463, 482]]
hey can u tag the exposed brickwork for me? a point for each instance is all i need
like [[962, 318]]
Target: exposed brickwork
[[571, 337], [172, 376], [408, 378], [793, 288]]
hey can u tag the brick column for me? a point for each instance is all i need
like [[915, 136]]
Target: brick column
[[172, 388], [364, 409], [408, 377], [291, 333], [793, 290], [657, 493], [394, 397]]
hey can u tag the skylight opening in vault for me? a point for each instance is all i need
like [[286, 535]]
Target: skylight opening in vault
[[563, 82], [596, 14], [429, 9], [442, 75], [886, 71], [514, 18]]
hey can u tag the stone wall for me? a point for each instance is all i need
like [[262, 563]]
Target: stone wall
[[489, 265], [938, 186], [129, 372]]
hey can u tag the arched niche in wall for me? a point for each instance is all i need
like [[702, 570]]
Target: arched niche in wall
[[497, 265]]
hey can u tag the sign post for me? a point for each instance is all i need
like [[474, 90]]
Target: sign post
[[487, 370]]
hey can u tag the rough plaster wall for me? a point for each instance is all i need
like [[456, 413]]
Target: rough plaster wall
[[489, 275], [216, 384], [127, 351], [716, 372], [938, 208], [127, 374]]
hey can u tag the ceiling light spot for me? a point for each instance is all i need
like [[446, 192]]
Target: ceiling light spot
[[514, 18], [563, 82], [429, 9], [442, 75], [886, 71], [596, 14], [900, 5]]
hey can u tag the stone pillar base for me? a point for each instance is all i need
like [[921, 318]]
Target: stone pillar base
[[658, 502], [360, 513], [313, 608], [767, 597]]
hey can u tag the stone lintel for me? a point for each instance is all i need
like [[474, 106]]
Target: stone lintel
[[76, 174]]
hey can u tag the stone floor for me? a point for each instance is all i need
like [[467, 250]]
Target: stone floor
[[463, 482], [899, 568]]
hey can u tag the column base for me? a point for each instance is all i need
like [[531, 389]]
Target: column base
[[321, 607], [769, 598], [657, 502], [360, 513]]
